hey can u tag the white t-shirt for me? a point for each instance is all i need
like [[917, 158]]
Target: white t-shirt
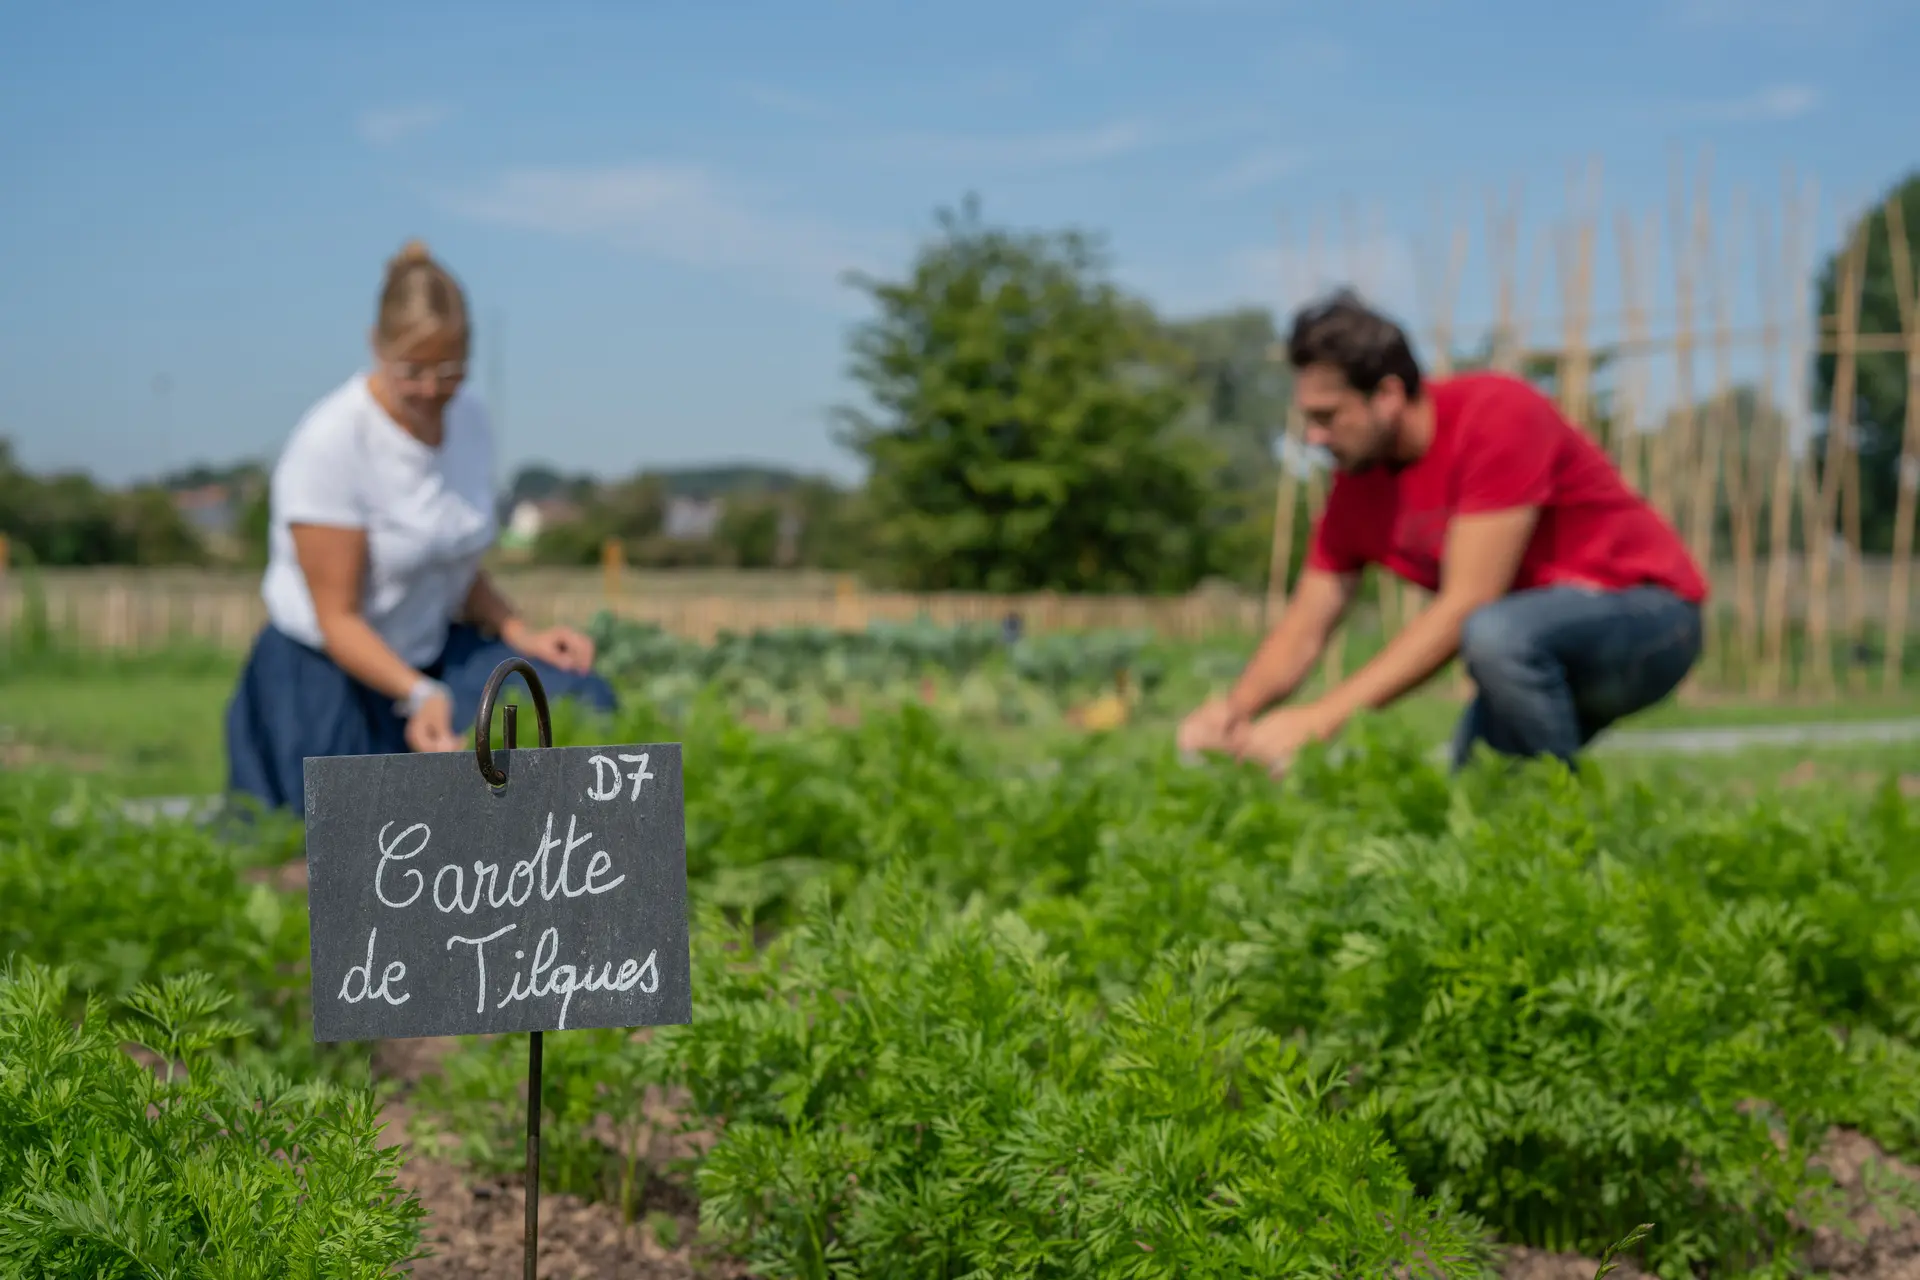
[[428, 513]]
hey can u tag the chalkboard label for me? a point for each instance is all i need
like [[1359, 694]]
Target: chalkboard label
[[439, 905]]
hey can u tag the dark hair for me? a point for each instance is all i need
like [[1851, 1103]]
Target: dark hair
[[1365, 346]]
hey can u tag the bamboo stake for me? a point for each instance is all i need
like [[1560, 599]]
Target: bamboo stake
[[1809, 674], [1695, 508], [1503, 353], [1826, 490], [1627, 402], [1662, 484], [1736, 460], [1780, 530], [1906, 287], [1503, 247], [1445, 301], [1642, 450], [1575, 373], [1852, 576], [1287, 484], [613, 559]]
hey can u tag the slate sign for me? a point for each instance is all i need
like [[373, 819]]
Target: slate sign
[[441, 906]]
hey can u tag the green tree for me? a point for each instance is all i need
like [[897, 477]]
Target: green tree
[[631, 512], [253, 527], [1240, 387], [749, 529], [1024, 432], [1880, 378], [149, 530], [67, 520], [832, 525]]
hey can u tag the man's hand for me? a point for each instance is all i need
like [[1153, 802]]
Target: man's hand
[[1211, 726], [1275, 738]]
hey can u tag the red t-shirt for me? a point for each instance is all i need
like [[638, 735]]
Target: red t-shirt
[[1498, 444]]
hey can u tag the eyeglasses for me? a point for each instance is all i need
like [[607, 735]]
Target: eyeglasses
[[451, 371]]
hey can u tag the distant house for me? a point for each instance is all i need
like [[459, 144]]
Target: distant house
[[692, 519], [528, 520], [212, 509]]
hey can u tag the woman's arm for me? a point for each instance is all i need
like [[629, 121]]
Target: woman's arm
[[564, 647], [491, 611], [332, 559]]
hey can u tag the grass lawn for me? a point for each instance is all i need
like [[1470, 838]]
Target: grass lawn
[[150, 730]]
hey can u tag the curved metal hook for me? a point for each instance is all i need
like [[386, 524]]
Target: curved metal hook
[[483, 723]]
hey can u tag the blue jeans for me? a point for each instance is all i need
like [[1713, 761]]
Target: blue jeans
[[1554, 666], [293, 702]]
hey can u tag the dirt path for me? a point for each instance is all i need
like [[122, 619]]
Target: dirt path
[[1814, 733]]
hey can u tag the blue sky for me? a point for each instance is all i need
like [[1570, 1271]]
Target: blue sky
[[652, 203]]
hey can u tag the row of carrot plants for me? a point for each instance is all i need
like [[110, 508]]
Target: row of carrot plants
[[1066, 1013], [1095, 1012]]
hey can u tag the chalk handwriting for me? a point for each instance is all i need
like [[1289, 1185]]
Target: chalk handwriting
[[479, 946], [607, 776], [564, 979], [395, 972], [387, 855], [536, 872]]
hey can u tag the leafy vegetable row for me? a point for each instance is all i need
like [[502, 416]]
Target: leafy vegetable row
[[1116, 992]]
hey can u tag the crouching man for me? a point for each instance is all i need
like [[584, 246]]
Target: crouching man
[[1570, 601]]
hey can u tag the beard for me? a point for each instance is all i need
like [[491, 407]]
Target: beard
[[1375, 453]]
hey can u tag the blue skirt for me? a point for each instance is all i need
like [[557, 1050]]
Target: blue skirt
[[294, 702]]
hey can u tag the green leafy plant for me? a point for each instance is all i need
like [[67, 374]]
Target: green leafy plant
[[182, 1165], [799, 675], [120, 902]]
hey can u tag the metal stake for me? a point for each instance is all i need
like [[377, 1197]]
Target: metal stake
[[530, 1268], [495, 776]]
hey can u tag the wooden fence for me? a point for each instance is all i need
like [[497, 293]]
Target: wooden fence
[[126, 612]]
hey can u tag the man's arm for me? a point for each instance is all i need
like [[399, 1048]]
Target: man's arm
[[1481, 558], [1291, 650]]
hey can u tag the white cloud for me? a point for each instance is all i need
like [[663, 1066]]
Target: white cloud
[[1254, 170], [676, 213], [1056, 149], [385, 126], [786, 102], [1776, 102]]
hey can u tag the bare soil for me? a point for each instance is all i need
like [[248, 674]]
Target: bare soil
[[1870, 1247], [476, 1225]]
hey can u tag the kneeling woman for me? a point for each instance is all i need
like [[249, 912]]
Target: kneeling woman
[[382, 626]]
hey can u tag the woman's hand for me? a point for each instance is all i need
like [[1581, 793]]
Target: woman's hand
[[562, 647], [431, 727]]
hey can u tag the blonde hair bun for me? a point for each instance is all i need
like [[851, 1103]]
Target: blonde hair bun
[[419, 299], [413, 251]]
